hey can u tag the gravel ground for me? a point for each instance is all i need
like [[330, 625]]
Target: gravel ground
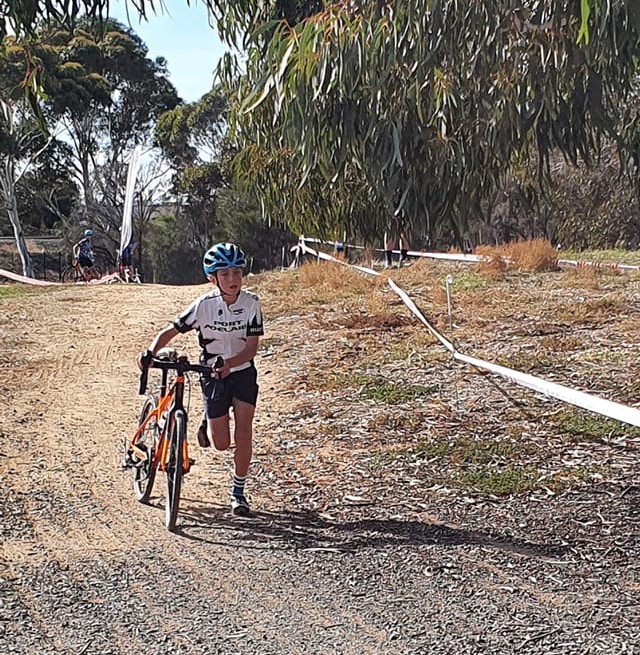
[[359, 543]]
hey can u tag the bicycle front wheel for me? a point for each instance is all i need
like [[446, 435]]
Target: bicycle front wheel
[[144, 472], [70, 274], [174, 469]]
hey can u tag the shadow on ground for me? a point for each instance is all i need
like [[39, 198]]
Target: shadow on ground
[[309, 530]]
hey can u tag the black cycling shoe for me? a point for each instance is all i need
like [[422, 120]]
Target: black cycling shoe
[[203, 437]]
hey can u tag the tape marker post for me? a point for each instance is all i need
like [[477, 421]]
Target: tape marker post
[[601, 406]]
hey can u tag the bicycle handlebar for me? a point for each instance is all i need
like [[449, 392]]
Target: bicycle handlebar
[[181, 365]]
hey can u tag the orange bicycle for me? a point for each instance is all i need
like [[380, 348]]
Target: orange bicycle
[[160, 442]]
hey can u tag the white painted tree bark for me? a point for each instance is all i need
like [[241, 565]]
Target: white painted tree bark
[[10, 159]]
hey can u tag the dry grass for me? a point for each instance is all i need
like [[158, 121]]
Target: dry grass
[[531, 255], [317, 285], [583, 278], [493, 266]]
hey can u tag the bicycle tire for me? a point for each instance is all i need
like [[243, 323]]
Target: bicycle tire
[[144, 474], [174, 469], [70, 274]]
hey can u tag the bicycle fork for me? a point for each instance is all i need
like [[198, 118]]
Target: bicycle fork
[[162, 452]]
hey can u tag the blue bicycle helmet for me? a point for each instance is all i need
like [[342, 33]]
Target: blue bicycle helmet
[[222, 255], [88, 233]]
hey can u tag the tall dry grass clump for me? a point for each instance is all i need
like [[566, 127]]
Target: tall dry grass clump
[[525, 255], [316, 284], [532, 255], [493, 263]]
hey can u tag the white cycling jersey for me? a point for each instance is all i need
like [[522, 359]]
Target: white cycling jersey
[[222, 329]]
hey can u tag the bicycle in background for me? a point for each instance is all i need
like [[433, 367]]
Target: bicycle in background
[[76, 273], [160, 441]]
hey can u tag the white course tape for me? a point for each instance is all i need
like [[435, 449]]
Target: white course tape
[[579, 398], [329, 258], [608, 408], [414, 309], [573, 263], [474, 259]]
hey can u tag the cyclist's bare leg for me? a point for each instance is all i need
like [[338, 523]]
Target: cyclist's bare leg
[[243, 436], [219, 432]]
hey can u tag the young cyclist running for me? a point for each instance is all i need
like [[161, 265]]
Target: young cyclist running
[[228, 321]]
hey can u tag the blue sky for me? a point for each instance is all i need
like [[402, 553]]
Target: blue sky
[[183, 36]]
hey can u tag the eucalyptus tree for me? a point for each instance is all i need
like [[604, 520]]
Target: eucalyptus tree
[[192, 137], [46, 192], [107, 99], [21, 139], [420, 106]]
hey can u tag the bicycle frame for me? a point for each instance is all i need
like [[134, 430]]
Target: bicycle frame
[[165, 446], [168, 403]]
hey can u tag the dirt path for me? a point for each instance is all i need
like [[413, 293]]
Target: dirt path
[[334, 560]]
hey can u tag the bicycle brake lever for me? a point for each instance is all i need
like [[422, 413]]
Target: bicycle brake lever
[[145, 360]]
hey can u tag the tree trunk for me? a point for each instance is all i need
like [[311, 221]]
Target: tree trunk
[[9, 191], [25, 258]]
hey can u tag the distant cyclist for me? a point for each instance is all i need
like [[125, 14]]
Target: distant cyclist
[[126, 269], [228, 321], [83, 254]]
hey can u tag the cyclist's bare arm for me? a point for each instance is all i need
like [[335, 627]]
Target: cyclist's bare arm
[[245, 355], [161, 339]]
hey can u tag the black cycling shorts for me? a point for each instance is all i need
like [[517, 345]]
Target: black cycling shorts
[[218, 395], [85, 262]]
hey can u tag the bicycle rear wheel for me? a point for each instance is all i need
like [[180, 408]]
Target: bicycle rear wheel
[[144, 472], [174, 469]]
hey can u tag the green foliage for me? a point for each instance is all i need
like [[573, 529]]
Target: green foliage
[[469, 280], [381, 390], [169, 257], [596, 207], [191, 136], [47, 193], [381, 102], [584, 426], [498, 482], [487, 467], [241, 222], [9, 291], [361, 115]]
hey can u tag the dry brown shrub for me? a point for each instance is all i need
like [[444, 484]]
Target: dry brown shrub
[[583, 278], [493, 263], [591, 311], [318, 284], [529, 255], [560, 343], [532, 255], [329, 277]]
